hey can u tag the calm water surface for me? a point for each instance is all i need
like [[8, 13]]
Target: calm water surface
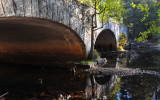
[[47, 83]]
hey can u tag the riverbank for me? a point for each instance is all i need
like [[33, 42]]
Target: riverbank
[[143, 45]]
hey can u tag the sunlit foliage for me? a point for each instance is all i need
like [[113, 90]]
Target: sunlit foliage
[[141, 16], [107, 8], [122, 41], [151, 17]]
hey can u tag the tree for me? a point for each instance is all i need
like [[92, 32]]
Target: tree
[[153, 14], [107, 9], [123, 40], [143, 19]]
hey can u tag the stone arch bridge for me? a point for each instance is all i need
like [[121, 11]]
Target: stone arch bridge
[[107, 38], [48, 29]]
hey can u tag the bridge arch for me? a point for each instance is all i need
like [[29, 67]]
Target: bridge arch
[[39, 39], [47, 16], [106, 41]]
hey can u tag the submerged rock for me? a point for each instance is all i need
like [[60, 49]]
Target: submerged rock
[[102, 61]]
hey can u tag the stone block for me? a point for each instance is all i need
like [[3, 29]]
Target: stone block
[[49, 9], [2, 14], [18, 6], [35, 8], [43, 8], [8, 7], [54, 11], [27, 8]]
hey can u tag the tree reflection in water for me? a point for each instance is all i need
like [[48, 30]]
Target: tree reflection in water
[[136, 84]]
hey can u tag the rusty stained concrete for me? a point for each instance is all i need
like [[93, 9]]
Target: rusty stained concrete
[[39, 38]]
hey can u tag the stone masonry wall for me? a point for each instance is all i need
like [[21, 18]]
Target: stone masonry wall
[[68, 12], [116, 28]]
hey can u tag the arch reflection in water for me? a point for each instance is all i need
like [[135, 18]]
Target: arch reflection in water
[[116, 80], [99, 86]]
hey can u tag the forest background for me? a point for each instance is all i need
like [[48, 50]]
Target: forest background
[[142, 17]]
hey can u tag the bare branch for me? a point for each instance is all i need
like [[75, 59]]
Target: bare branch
[[3, 94], [98, 28], [95, 16], [102, 20]]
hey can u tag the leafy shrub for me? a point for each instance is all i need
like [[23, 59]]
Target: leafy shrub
[[122, 41]]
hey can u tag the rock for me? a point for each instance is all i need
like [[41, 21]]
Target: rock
[[2, 98], [102, 61]]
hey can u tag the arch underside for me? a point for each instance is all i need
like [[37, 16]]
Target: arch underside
[[106, 41], [34, 39]]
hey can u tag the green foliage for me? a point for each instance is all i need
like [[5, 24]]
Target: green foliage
[[142, 8], [96, 55], [108, 8], [154, 26], [87, 2], [141, 16], [113, 92], [123, 40], [86, 62], [158, 44], [143, 19], [113, 9], [133, 5]]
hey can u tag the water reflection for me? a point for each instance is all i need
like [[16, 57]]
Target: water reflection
[[98, 86], [126, 83], [40, 83], [51, 83]]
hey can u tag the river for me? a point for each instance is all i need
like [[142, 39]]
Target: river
[[115, 80]]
